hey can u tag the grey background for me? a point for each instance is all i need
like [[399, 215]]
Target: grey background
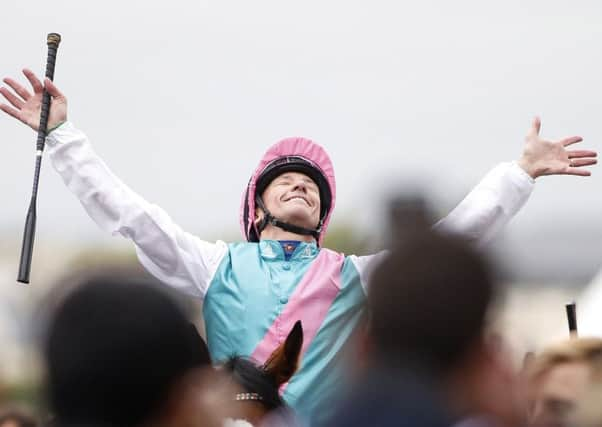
[[181, 98]]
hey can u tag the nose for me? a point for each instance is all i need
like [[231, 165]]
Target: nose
[[300, 185]]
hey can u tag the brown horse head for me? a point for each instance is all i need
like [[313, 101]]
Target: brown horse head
[[260, 384]]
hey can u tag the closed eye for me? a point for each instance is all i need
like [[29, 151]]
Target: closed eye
[[310, 184]]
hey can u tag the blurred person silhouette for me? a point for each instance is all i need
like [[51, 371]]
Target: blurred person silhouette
[[562, 380], [115, 349], [254, 290], [14, 417], [588, 411], [428, 361], [203, 398]]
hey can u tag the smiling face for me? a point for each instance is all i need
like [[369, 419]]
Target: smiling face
[[294, 198]]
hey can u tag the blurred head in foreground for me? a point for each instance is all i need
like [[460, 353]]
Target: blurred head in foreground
[[426, 349], [428, 301], [560, 378], [114, 350], [16, 418]]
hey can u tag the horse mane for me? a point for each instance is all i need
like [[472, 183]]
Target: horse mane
[[255, 379]]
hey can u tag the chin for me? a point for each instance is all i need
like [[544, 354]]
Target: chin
[[297, 217]]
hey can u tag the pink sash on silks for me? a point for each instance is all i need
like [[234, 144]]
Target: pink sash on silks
[[309, 303]]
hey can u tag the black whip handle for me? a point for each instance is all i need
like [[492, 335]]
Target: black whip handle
[[53, 42]]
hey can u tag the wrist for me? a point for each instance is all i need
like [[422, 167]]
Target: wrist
[[529, 168], [56, 126]]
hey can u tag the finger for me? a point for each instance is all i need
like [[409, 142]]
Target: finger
[[575, 154], [570, 140], [36, 84], [583, 162], [15, 102], [577, 172], [52, 89], [11, 111], [535, 127], [20, 90]]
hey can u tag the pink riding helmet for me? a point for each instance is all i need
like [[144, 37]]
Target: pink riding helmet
[[291, 154]]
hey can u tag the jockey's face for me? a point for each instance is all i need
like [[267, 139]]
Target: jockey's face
[[294, 198]]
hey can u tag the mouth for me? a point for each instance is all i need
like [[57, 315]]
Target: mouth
[[297, 197]]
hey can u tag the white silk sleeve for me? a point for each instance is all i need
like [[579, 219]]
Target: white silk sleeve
[[175, 257], [479, 217], [491, 204]]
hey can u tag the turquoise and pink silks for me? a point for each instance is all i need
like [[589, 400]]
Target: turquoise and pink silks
[[252, 294]]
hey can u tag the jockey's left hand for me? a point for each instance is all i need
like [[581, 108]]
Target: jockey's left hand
[[543, 157]]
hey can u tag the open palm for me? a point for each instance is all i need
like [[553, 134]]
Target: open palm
[[543, 157], [26, 106]]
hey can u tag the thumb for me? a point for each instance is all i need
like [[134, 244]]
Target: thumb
[[535, 127], [52, 89]]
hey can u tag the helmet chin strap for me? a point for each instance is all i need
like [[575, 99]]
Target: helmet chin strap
[[268, 218]]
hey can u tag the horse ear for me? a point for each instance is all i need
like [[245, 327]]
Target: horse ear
[[284, 361]]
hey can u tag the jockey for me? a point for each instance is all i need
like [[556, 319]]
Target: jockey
[[255, 291]]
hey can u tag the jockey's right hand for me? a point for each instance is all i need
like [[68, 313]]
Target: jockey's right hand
[[26, 106]]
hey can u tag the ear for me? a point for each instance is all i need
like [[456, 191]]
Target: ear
[[284, 361], [258, 215]]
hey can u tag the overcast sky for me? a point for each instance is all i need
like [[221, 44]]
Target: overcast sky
[[181, 98]]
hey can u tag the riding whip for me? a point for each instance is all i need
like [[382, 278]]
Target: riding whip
[[52, 41]]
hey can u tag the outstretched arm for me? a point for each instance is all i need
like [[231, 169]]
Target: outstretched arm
[[171, 254], [505, 189]]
